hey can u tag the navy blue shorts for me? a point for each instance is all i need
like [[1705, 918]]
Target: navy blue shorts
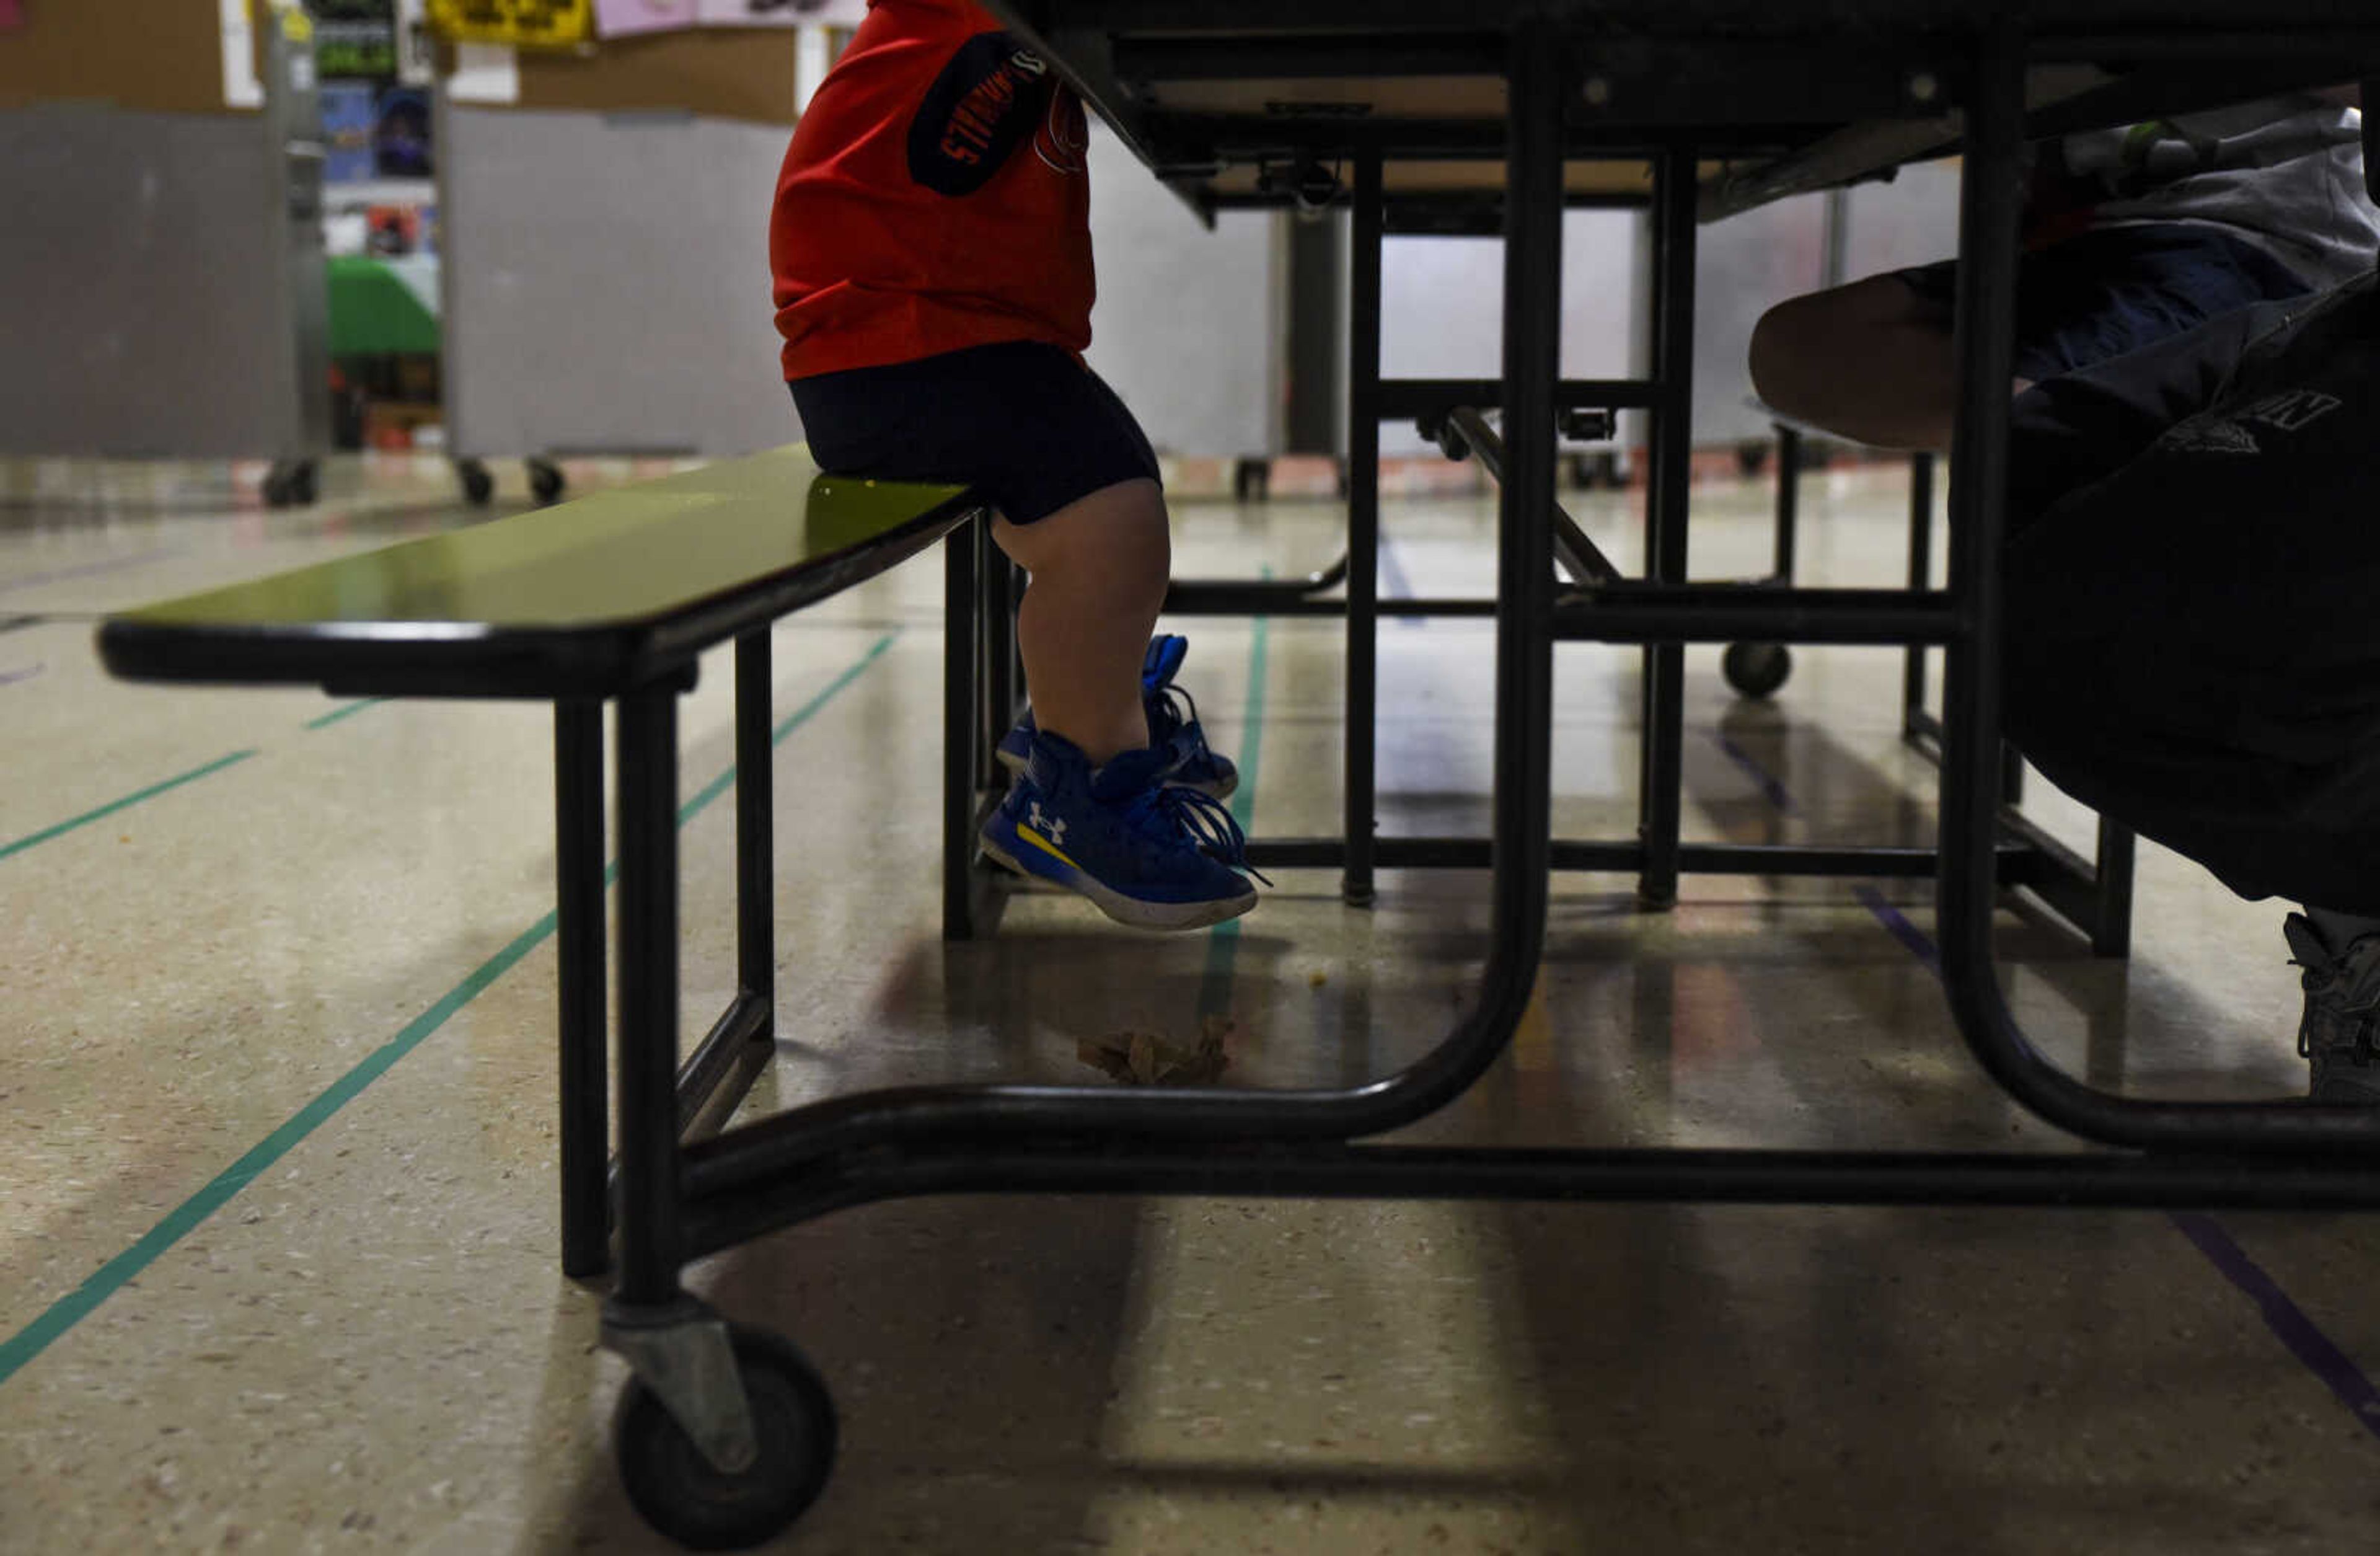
[[2108, 293], [1024, 423]]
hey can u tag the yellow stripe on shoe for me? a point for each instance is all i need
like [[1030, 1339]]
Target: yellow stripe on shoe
[[1035, 838]]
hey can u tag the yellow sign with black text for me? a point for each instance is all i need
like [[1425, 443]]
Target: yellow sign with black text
[[534, 24]]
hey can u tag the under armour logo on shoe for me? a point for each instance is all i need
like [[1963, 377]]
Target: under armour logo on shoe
[[1048, 826]]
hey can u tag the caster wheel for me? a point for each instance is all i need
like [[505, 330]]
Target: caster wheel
[[546, 481], [1252, 480], [1451, 443], [1756, 669], [1751, 458], [478, 484], [291, 485], [683, 1495]]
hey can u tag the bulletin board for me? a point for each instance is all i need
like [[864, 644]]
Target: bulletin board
[[521, 23], [740, 73], [157, 55]]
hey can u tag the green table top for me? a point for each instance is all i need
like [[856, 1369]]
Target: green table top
[[583, 599]]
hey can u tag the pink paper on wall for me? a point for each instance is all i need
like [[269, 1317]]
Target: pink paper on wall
[[782, 13], [11, 14], [620, 19]]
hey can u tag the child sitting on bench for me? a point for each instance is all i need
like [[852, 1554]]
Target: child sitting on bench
[[932, 255]]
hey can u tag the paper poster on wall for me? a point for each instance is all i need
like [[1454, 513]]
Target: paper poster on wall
[[782, 13], [484, 73], [622, 18], [242, 87], [520, 23], [355, 40]]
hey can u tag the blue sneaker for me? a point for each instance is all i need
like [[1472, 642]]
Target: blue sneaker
[[1173, 726], [1150, 855]]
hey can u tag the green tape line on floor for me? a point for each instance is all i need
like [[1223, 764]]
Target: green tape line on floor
[[112, 1277], [112, 807], [1223, 940]]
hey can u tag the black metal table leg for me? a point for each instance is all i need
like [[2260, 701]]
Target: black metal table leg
[[1661, 783], [579, 940], [2111, 918], [1364, 531], [1992, 187], [688, 1389], [2371, 101], [789, 1167], [755, 907], [962, 729], [996, 598], [1789, 500], [2012, 774], [718, 1071], [1240, 597], [1004, 667], [724, 1065], [1920, 576], [1541, 79], [650, 1208]]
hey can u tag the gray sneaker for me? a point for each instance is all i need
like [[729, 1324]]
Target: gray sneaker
[[2341, 1026]]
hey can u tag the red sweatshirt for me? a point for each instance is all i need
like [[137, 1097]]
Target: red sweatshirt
[[935, 197]]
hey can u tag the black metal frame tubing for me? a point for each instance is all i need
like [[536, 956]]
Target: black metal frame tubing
[[741, 1173], [1661, 785], [2065, 1180], [963, 723], [1240, 597], [2095, 895], [1574, 551], [680, 1202], [1788, 501], [651, 1250], [1920, 576], [1358, 783], [579, 936], [722, 1067], [706, 1088], [1991, 194], [983, 694], [1661, 611]]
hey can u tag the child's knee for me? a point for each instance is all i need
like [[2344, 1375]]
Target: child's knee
[[1118, 537]]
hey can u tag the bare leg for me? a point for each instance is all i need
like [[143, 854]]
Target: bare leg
[[1098, 567], [1871, 361]]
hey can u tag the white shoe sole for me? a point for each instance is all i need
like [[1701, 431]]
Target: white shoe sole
[[1132, 912]]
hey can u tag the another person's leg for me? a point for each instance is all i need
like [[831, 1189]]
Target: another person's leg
[[1870, 361], [1873, 361], [2192, 647]]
